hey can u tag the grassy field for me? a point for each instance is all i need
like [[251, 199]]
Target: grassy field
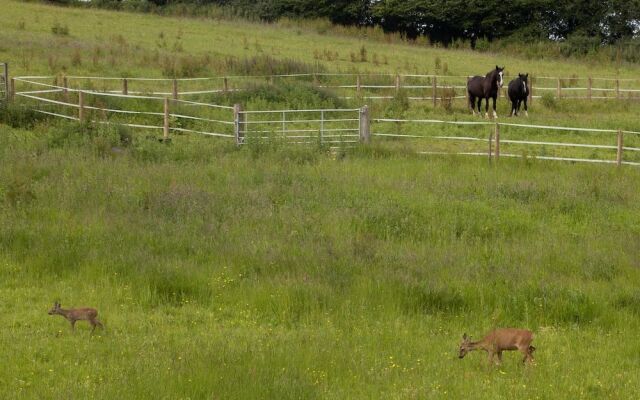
[[279, 272]]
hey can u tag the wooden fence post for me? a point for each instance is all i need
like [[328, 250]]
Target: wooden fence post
[[225, 84], [5, 83], [620, 148], [175, 89], [490, 144], [125, 87], [497, 151], [12, 89], [435, 91], [165, 127], [81, 106], [559, 89], [589, 88], [358, 85], [65, 86], [397, 83], [365, 129], [238, 120], [617, 88]]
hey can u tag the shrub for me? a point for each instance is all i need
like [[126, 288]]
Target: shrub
[[59, 29]]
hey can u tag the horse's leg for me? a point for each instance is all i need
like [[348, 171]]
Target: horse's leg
[[486, 108], [526, 109], [472, 103], [479, 106], [495, 116], [513, 109]]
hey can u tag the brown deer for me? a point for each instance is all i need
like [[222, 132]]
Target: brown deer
[[500, 340], [77, 314]]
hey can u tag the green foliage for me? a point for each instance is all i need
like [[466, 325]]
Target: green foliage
[[59, 29]]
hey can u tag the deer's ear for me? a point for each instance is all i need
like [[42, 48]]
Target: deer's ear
[[465, 337]]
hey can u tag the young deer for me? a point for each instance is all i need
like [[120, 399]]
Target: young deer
[[77, 314], [500, 340]]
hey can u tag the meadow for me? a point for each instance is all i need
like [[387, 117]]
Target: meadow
[[272, 271]]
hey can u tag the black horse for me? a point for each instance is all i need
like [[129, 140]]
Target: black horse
[[485, 88], [519, 92]]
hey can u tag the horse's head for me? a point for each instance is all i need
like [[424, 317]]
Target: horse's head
[[524, 78], [499, 73]]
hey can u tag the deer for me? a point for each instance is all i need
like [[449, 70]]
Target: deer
[[499, 340], [77, 314]]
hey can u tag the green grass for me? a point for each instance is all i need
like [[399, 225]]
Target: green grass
[[297, 272]]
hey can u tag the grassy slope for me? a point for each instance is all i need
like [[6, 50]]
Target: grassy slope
[[286, 273], [31, 47]]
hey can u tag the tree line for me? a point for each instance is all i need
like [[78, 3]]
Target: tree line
[[444, 21], [585, 22]]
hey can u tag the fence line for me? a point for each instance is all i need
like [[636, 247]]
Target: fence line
[[441, 87], [330, 126], [494, 140]]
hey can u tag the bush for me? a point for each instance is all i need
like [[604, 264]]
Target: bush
[[59, 29]]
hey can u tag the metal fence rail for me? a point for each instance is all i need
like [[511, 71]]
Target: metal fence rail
[[323, 126]]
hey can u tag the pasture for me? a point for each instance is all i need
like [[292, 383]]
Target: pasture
[[274, 271]]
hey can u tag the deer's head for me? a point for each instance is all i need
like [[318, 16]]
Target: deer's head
[[465, 346], [55, 309]]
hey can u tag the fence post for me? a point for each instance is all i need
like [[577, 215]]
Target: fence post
[[358, 85], [125, 87], [365, 132], [619, 153], [559, 89], [497, 151], [490, 144], [175, 89], [397, 83], [617, 88], [5, 76], [321, 126], [435, 91], [225, 84], [315, 80], [238, 120], [165, 127], [81, 106], [12, 89], [65, 85], [589, 88]]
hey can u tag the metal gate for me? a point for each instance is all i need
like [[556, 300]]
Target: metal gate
[[4, 81]]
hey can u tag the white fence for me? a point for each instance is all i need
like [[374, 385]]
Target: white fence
[[326, 126], [331, 127], [492, 142], [433, 88]]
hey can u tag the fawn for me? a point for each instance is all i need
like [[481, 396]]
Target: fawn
[[77, 314], [499, 340]]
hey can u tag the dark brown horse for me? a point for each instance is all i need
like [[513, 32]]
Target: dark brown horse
[[484, 88]]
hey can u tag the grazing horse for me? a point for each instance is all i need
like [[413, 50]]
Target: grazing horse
[[519, 92], [485, 88]]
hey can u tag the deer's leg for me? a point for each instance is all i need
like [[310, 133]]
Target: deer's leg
[[95, 323], [73, 324], [499, 357]]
